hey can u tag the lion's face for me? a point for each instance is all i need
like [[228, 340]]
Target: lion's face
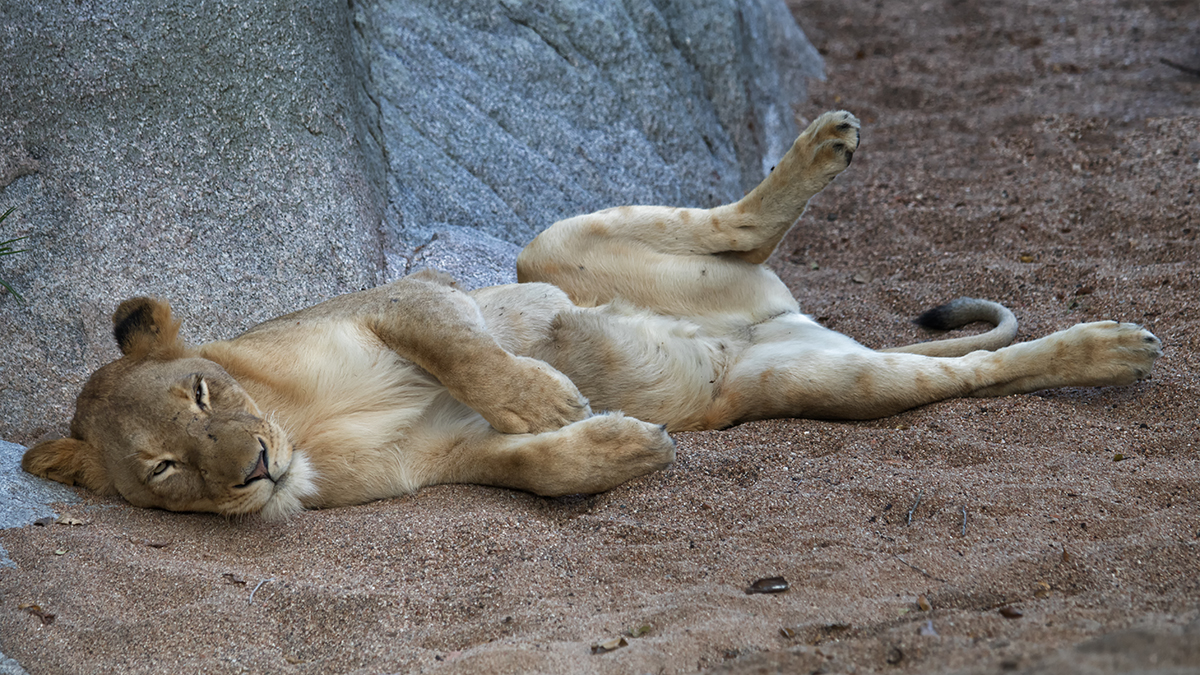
[[169, 430], [183, 435]]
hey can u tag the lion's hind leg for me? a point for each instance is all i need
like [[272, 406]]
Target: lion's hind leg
[[697, 253], [818, 155], [797, 368], [1097, 354]]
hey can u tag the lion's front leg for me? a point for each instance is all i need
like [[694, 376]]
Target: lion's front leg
[[585, 457], [442, 330]]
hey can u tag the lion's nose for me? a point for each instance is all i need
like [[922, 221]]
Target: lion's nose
[[260, 468]]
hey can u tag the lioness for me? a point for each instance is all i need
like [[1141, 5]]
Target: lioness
[[663, 318]]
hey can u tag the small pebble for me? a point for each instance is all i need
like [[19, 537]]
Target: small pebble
[[609, 645], [768, 585]]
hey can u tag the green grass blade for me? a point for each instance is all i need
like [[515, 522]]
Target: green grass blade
[[12, 290]]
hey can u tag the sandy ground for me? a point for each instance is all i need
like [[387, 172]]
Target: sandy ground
[[1035, 153]]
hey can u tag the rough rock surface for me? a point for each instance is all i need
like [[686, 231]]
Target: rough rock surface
[[508, 116], [246, 159], [204, 152], [23, 497]]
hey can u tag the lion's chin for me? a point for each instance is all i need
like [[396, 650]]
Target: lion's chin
[[291, 488]]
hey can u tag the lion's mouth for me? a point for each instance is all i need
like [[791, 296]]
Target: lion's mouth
[[261, 469]]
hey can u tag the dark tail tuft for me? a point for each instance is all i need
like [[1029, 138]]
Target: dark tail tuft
[[938, 318]]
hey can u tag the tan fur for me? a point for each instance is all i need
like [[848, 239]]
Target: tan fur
[[648, 313]]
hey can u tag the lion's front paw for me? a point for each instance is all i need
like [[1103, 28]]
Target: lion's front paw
[[1108, 353], [604, 451], [530, 398]]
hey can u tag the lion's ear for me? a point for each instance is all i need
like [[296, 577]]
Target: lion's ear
[[145, 325], [70, 461]]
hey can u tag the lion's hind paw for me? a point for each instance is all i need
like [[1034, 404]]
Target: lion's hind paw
[[1115, 353], [835, 136]]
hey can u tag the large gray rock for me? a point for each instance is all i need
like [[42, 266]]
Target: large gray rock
[[205, 152], [506, 116], [9, 666], [246, 159], [24, 497]]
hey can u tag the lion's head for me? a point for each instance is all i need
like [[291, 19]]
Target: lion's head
[[165, 428]]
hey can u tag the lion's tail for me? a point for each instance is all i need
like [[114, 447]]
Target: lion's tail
[[958, 313]]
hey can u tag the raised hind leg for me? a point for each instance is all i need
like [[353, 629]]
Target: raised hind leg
[[690, 262], [799, 369]]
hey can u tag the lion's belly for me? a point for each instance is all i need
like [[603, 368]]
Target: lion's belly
[[660, 369]]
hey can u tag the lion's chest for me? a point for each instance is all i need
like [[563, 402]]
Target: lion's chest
[[336, 380]]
